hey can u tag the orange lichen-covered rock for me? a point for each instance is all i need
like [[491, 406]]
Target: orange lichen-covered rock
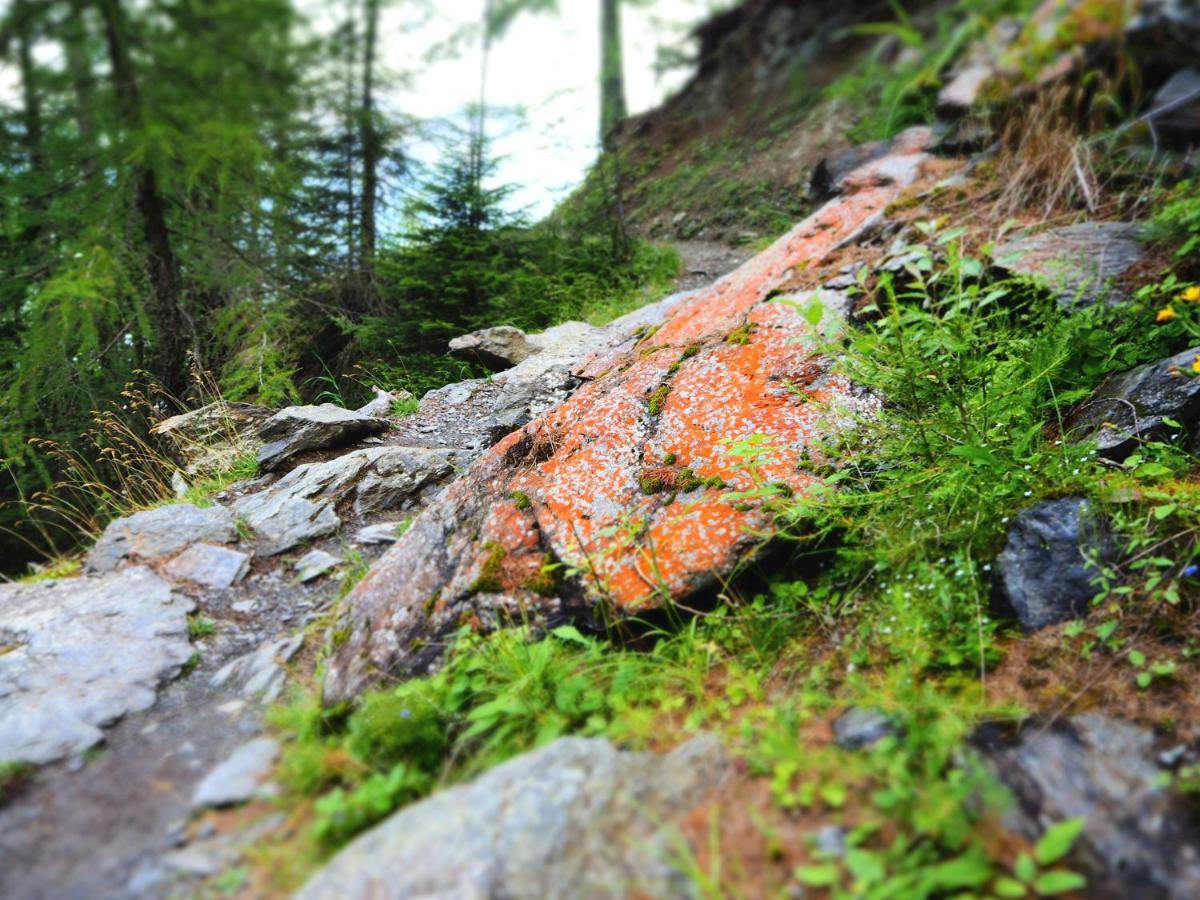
[[649, 482]]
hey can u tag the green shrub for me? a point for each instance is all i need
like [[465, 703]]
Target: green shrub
[[405, 725]]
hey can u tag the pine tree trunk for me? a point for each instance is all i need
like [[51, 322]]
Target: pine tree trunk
[[612, 79], [370, 139], [169, 362]]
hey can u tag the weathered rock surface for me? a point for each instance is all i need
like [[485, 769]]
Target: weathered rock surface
[[211, 438], [1078, 262], [76, 654], [620, 481], [209, 565], [314, 564], [1175, 113], [261, 673], [497, 348], [858, 727], [1137, 840], [380, 407], [577, 818], [300, 506], [298, 428], [1044, 574], [1131, 407], [381, 533], [239, 778], [157, 533]]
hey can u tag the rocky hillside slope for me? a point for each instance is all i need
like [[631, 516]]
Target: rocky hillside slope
[[868, 569]]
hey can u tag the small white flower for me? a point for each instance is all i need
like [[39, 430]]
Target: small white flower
[[1027, 494]]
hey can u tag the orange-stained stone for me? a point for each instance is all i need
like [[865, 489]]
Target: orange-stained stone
[[758, 373]]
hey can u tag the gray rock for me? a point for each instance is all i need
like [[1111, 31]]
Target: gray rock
[[1137, 840], [209, 565], [1078, 262], [210, 439], [1175, 113], [299, 428], [964, 88], [395, 476], [501, 347], [1164, 33], [831, 840], [383, 533], [829, 176], [262, 672], [858, 728], [314, 564], [381, 406], [1043, 574], [576, 818], [1131, 407], [160, 532], [82, 653], [239, 778]]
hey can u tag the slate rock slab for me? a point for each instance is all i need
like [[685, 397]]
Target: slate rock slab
[[1137, 841], [500, 347], [314, 564], [1078, 262], [722, 364], [1175, 112], [1044, 575], [209, 565], [211, 438], [239, 778], [261, 673], [299, 428], [84, 652], [156, 533], [1131, 407], [576, 818]]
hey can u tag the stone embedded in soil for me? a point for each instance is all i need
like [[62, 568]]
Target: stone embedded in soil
[[209, 565], [381, 405], [1139, 838], [240, 777], [314, 564], [577, 818], [261, 673], [84, 652], [298, 428], [500, 347], [1080, 263], [1046, 570], [1175, 112], [1133, 407], [719, 366], [858, 727], [382, 533], [157, 533]]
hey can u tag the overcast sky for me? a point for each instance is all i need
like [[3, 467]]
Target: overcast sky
[[548, 65]]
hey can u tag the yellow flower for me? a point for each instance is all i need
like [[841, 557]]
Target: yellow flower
[[1196, 365], [1166, 314], [1191, 295]]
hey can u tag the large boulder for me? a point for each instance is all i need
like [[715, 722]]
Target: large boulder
[[1138, 840], [500, 347], [624, 483], [160, 532], [298, 428], [1046, 571], [1134, 406], [577, 818], [77, 654], [1080, 263]]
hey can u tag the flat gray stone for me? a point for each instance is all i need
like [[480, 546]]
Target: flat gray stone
[[314, 564], [1133, 407], [1078, 262], [262, 672], [383, 533], [299, 428], [209, 565], [498, 348], [381, 406], [1175, 113], [83, 653], [577, 818], [156, 533], [210, 439], [858, 728], [239, 778]]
